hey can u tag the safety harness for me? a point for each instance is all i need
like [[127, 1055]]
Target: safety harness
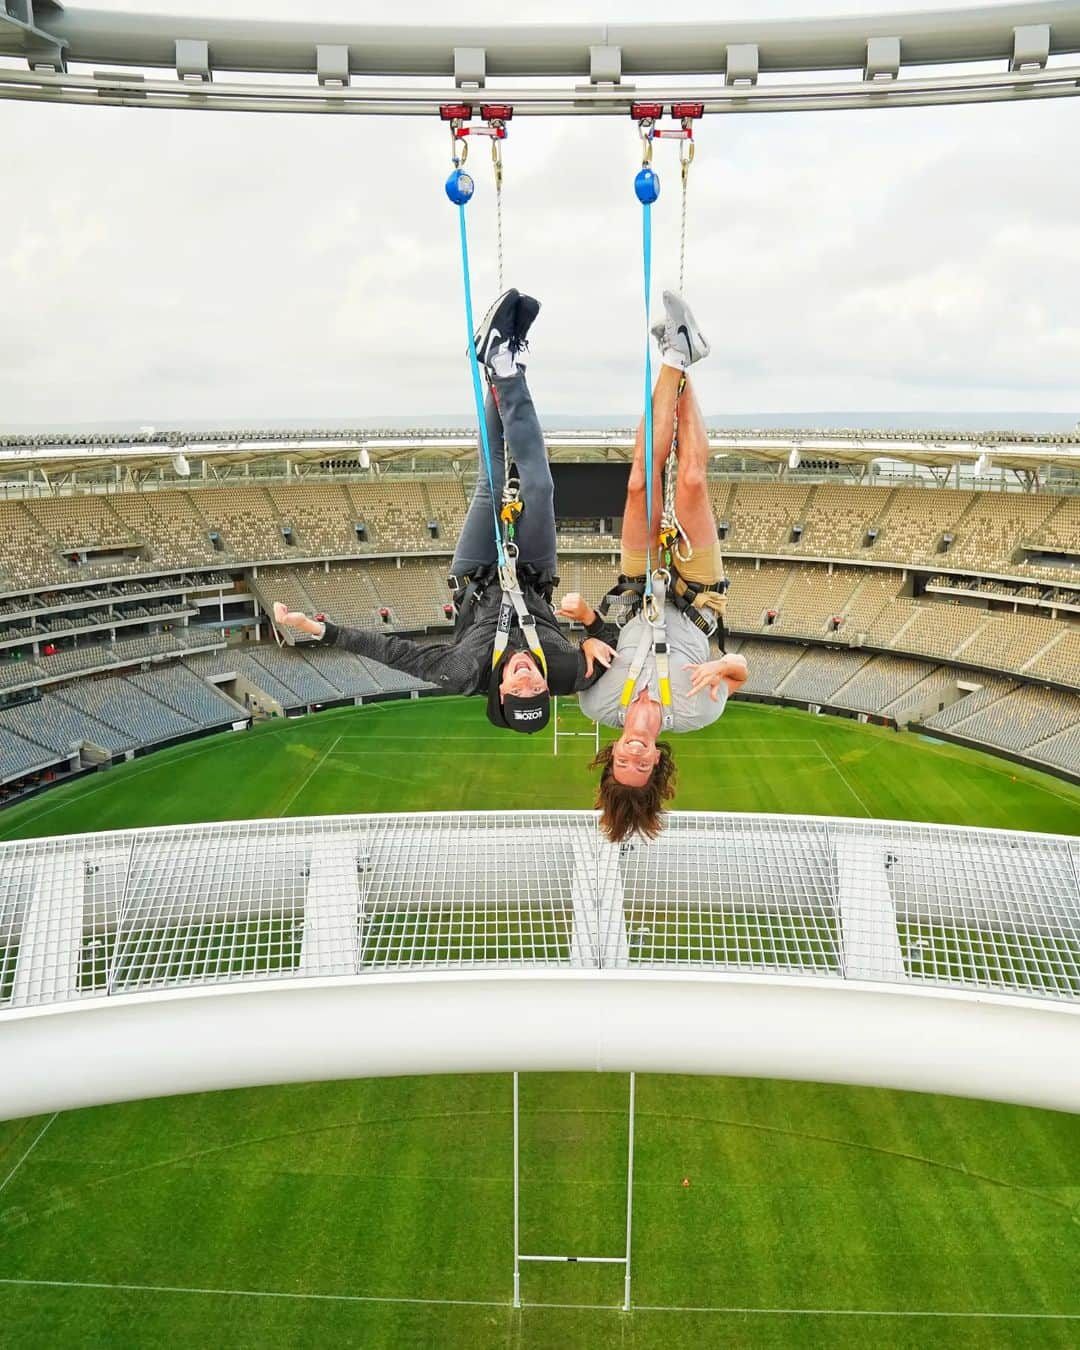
[[513, 601]]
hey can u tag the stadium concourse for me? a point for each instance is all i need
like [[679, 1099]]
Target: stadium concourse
[[134, 600]]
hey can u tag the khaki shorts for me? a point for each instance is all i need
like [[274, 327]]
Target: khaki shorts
[[705, 568]]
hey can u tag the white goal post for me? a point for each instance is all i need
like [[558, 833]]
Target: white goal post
[[563, 1258], [592, 735]]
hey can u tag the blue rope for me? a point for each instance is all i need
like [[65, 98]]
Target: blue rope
[[478, 391], [646, 239]]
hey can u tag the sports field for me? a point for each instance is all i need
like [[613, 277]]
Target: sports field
[[378, 1213]]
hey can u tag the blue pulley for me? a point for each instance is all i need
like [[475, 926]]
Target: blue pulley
[[646, 185], [460, 187]]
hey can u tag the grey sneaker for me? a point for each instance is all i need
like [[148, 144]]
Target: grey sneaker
[[682, 338]]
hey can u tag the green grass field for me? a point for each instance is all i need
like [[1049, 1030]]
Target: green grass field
[[377, 1213]]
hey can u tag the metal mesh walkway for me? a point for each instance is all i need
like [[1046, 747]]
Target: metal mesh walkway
[[100, 916]]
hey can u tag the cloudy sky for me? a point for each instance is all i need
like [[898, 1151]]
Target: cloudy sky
[[173, 268]]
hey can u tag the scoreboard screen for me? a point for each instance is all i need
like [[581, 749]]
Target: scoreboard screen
[[583, 490]]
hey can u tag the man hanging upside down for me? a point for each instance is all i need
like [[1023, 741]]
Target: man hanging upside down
[[637, 771], [518, 691]]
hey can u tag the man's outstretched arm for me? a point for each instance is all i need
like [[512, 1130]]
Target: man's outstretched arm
[[428, 661]]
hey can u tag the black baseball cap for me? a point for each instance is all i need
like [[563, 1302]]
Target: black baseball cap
[[517, 714]]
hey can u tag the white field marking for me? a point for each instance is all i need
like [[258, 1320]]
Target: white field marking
[[844, 778], [864, 1312], [256, 1293], [322, 760], [37, 1139], [502, 1303], [728, 741]]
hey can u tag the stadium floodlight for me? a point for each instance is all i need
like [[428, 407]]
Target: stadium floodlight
[[365, 459], [795, 458], [983, 464], [180, 464]]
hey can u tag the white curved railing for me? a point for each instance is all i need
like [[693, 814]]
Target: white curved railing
[[151, 961]]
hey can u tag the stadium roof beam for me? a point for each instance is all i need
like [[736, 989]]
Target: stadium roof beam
[[1023, 454], [596, 63]]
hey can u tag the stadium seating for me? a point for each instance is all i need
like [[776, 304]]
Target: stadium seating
[[875, 594], [762, 515], [170, 530], [1059, 531], [996, 524], [321, 516], [184, 692], [17, 755], [880, 682], [989, 692], [768, 663], [116, 703], [915, 520], [75, 523], [936, 688], [245, 518], [1028, 715], [836, 520], [820, 673], [1061, 750], [169, 525]]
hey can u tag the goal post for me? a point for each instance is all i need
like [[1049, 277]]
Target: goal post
[[570, 723], [521, 1257]]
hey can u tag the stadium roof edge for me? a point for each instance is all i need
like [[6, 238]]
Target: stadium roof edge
[[70, 454]]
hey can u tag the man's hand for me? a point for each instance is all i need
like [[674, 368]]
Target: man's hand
[[729, 670], [286, 618], [576, 607], [596, 650]]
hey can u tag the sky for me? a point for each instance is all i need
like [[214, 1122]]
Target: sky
[[174, 267]]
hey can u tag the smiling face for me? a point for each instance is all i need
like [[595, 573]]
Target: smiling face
[[522, 677], [635, 753]]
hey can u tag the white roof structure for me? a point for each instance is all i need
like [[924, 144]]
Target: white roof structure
[[1005, 52], [87, 453], [149, 962]]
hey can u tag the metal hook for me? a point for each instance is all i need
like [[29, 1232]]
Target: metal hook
[[645, 128], [459, 156]]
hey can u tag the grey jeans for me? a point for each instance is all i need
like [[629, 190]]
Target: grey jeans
[[511, 423]]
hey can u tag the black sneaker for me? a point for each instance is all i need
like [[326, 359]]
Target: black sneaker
[[497, 326], [527, 310]]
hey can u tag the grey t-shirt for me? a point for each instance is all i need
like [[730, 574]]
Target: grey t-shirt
[[687, 645]]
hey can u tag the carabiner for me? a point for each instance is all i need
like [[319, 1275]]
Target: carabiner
[[458, 156], [496, 159], [686, 150], [645, 128]]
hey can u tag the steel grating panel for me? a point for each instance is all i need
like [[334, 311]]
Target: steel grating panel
[[101, 916]]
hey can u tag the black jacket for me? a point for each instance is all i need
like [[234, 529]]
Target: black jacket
[[464, 667]]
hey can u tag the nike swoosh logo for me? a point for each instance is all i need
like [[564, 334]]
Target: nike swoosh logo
[[686, 334]]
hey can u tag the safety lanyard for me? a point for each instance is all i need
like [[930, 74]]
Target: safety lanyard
[[653, 638], [513, 603]]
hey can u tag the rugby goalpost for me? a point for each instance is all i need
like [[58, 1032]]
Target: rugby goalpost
[[593, 734], [563, 1258]]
